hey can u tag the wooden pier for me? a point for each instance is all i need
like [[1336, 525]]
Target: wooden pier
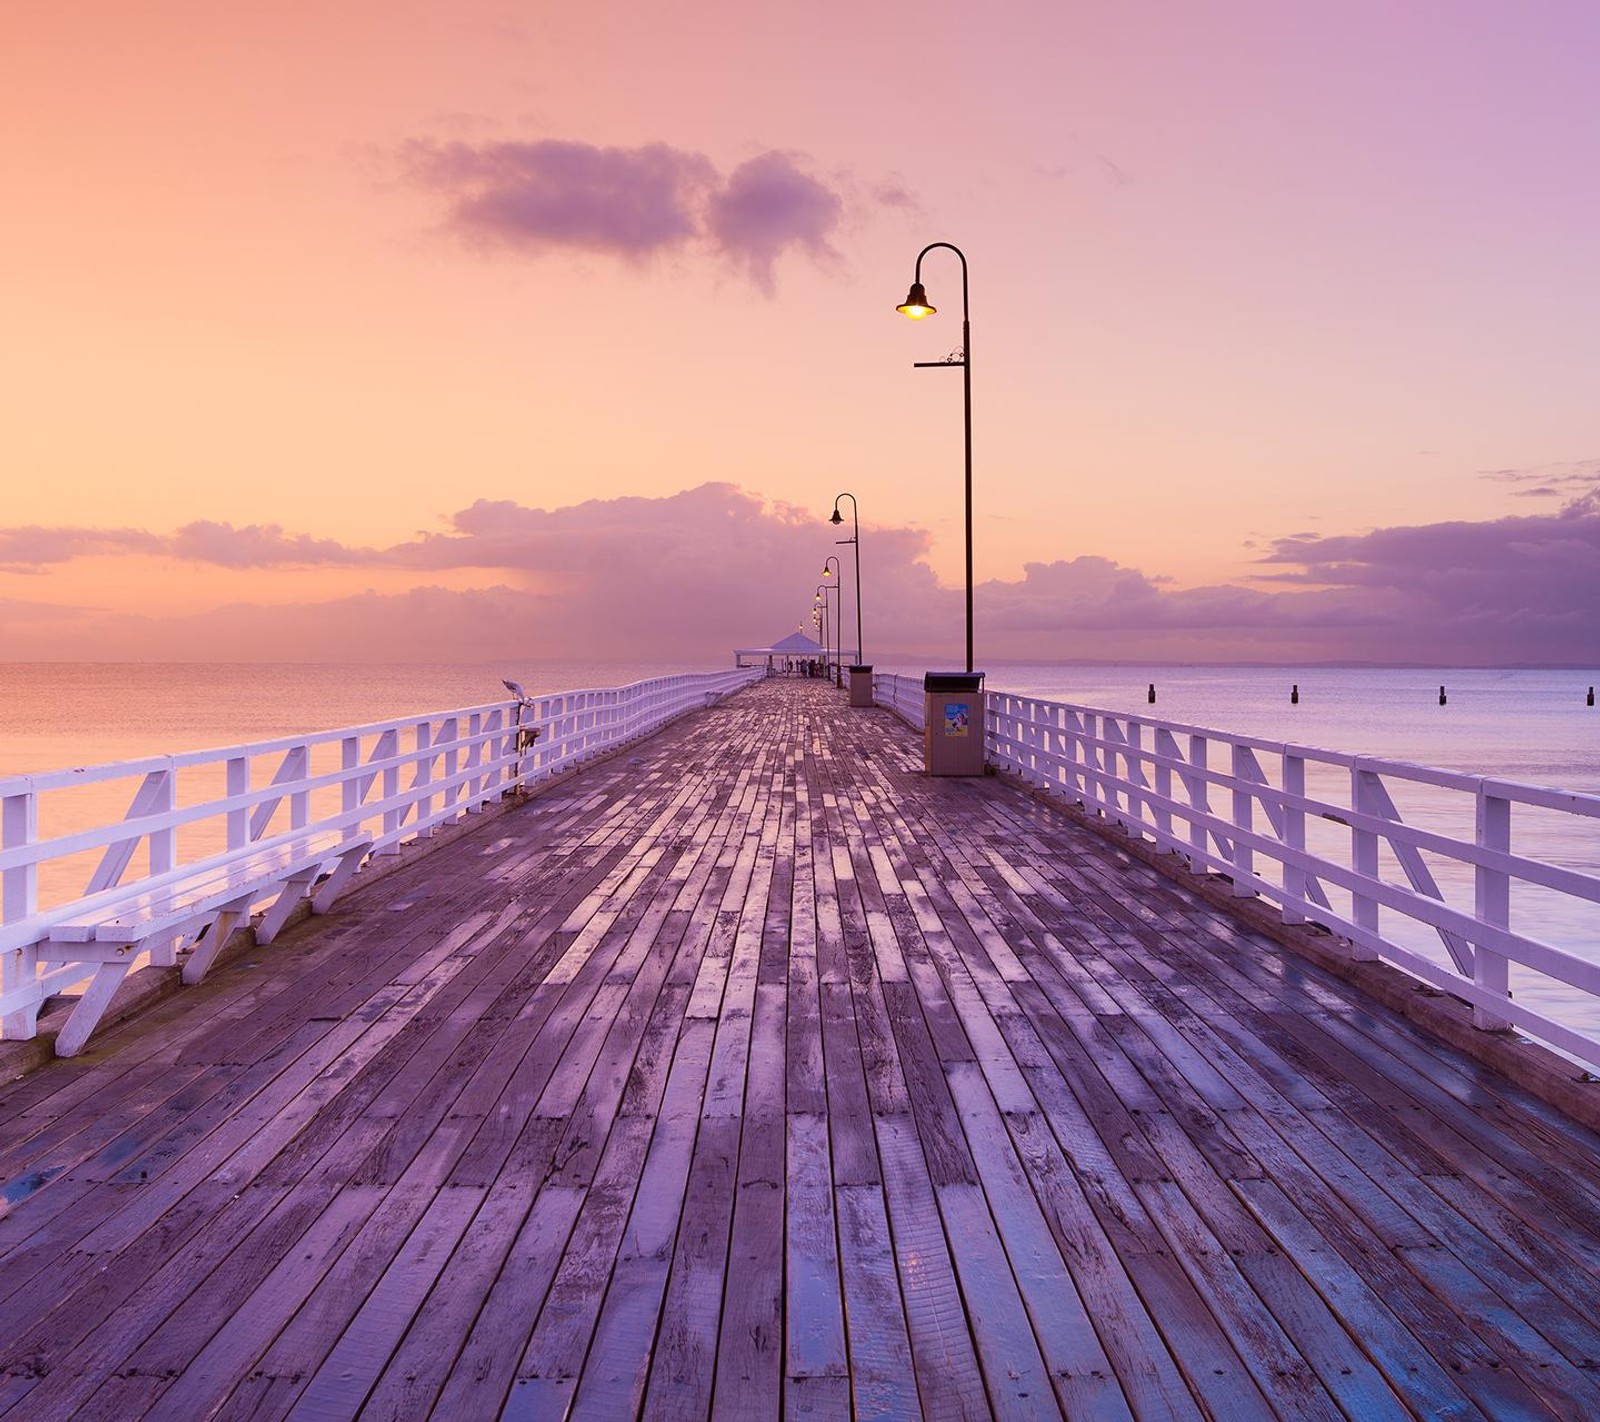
[[751, 1073]]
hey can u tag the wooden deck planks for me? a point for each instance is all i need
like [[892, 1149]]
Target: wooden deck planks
[[754, 1074]]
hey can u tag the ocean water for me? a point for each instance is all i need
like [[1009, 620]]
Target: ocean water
[[59, 714], [1524, 724], [1528, 725]]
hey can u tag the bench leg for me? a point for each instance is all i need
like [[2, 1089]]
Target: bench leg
[[91, 1007], [22, 1024], [288, 898], [163, 952], [348, 863], [19, 970], [205, 951]]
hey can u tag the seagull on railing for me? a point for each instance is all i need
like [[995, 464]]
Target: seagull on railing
[[515, 688]]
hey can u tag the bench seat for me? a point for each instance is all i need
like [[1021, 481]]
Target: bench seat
[[205, 901]]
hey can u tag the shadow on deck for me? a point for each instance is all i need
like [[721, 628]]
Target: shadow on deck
[[752, 1073]]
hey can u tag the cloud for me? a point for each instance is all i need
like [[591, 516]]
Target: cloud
[[1578, 477], [30, 549], [256, 546], [533, 197], [633, 203], [691, 575], [768, 206], [1511, 589]]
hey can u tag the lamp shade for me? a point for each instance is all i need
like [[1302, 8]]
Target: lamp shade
[[916, 303]]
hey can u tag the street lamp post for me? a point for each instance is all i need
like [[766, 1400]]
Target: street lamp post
[[855, 540], [916, 307], [838, 609], [821, 601]]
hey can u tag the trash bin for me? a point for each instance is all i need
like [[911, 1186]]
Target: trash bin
[[953, 723], [861, 686]]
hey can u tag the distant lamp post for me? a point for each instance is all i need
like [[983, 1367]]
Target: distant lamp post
[[855, 541], [838, 640], [821, 603], [916, 306]]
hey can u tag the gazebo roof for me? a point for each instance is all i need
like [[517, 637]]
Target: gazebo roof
[[796, 644]]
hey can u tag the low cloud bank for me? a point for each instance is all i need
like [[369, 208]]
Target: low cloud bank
[[695, 574]]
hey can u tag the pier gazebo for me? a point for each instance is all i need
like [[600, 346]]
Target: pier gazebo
[[796, 645]]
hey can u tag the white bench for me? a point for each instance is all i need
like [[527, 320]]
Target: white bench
[[205, 901]]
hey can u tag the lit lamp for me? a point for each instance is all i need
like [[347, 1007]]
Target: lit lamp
[[954, 718], [855, 541], [916, 306]]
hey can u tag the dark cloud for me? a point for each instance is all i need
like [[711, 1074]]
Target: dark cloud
[[1096, 594], [767, 207], [628, 202], [1511, 589], [634, 203]]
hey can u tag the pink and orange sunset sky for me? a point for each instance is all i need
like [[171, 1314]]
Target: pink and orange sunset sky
[[387, 329]]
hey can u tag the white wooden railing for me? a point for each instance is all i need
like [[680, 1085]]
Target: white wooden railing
[[1322, 835], [901, 694], [62, 841]]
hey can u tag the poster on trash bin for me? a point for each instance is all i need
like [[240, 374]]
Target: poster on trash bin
[[956, 718]]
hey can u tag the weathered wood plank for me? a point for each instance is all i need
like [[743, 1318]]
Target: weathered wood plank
[[948, 1375], [883, 1378], [813, 1306], [749, 1370]]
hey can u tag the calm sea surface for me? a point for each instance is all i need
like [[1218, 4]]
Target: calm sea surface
[[1527, 725]]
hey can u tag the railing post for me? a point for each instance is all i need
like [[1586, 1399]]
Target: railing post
[[1069, 732], [19, 890], [237, 784], [1364, 860], [164, 841], [393, 816], [424, 775], [1104, 763], [1199, 802], [474, 761], [493, 749], [19, 827], [300, 800], [1133, 773], [1244, 819], [1294, 837], [1492, 894], [350, 783], [450, 738], [1167, 748]]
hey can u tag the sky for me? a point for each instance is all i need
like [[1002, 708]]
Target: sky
[[385, 329]]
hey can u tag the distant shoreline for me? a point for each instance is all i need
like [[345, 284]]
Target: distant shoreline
[[895, 658]]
